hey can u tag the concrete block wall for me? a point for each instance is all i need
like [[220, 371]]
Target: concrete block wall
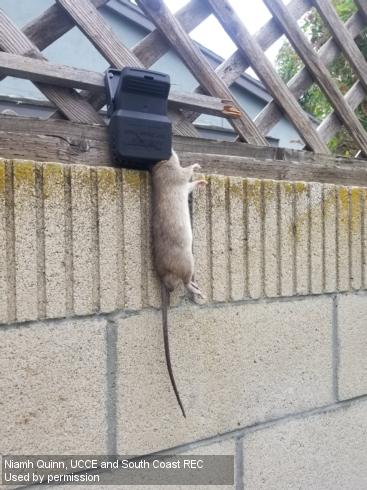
[[271, 367]]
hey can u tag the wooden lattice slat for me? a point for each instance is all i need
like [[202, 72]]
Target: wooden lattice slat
[[271, 114], [231, 69], [154, 45], [332, 124], [343, 38], [197, 64], [51, 25], [93, 25], [70, 103], [266, 72], [356, 94], [362, 6], [318, 71], [99, 33]]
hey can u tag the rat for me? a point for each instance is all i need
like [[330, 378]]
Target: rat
[[172, 237]]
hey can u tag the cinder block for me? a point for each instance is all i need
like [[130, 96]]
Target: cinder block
[[271, 238], [153, 296], [234, 366], [287, 247], [25, 236], [330, 256], [255, 244], [356, 237], [352, 334], [53, 388], [219, 238], [84, 229], [364, 238], [54, 208], [201, 240], [3, 249], [301, 235], [132, 219], [325, 451], [342, 235], [316, 238], [237, 235], [109, 232]]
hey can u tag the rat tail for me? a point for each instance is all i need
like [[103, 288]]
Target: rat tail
[[165, 304]]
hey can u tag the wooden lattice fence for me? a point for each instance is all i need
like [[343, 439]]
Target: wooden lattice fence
[[21, 56]]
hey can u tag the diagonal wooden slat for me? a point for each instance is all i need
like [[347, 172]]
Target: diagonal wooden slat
[[70, 103], [99, 33], [355, 95], [362, 5], [343, 38], [154, 45], [331, 124], [232, 68], [318, 71], [270, 115], [353, 54], [93, 25], [51, 25], [197, 64], [259, 62]]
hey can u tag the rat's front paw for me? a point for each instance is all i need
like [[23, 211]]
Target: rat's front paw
[[196, 166]]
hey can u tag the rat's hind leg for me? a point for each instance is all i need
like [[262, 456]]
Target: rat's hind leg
[[194, 289]]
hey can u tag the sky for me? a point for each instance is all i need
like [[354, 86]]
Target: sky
[[211, 34]]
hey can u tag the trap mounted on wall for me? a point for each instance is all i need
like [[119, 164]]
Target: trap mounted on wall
[[140, 131]]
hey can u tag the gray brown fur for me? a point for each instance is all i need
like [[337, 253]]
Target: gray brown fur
[[172, 236]]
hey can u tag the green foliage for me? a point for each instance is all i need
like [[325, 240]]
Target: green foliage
[[314, 101]]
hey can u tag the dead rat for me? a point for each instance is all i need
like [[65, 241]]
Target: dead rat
[[172, 237]]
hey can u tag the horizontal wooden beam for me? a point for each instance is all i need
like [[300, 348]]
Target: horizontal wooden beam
[[38, 70], [67, 76], [71, 143]]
